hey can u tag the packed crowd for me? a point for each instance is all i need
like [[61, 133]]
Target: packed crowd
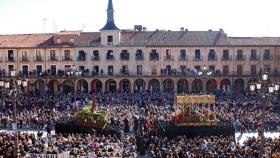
[[182, 147], [127, 111]]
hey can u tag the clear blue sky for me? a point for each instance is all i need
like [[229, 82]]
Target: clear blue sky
[[236, 17]]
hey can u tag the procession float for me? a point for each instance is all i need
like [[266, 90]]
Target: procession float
[[90, 117], [195, 115], [87, 120], [188, 114]]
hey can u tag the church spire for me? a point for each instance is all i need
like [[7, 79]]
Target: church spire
[[110, 25]]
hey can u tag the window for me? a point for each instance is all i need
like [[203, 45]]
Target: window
[[267, 68], [53, 55], [10, 55], [95, 70], [154, 55], [168, 54], [10, 68], [253, 54], [225, 70], [239, 69], [168, 70], [58, 41], [183, 54], [212, 54], [67, 68], [81, 68], [110, 55], [253, 70], [110, 70], [197, 67], [154, 70], [110, 40], [124, 55], [25, 70], [266, 55], [239, 54], [53, 70], [72, 40], [225, 54], [139, 69], [183, 69], [96, 55], [212, 68], [24, 56], [39, 55], [39, 70], [197, 54], [67, 55], [139, 55], [124, 70], [82, 55]]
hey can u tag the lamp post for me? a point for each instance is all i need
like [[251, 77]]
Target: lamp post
[[204, 73], [73, 73], [12, 86], [263, 89]]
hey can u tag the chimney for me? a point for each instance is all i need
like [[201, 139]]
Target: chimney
[[221, 30], [144, 29], [210, 30], [186, 30], [182, 28]]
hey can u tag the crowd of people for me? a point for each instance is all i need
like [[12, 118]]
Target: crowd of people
[[130, 112]]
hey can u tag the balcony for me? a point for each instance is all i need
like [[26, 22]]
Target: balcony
[[81, 58], [95, 58], [24, 59], [11, 59], [183, 58], [254, 58], [53, 58], [154, 56], [124, 72], [196, 58], [169, 58], [94, 73], [213, 58], [225, 58], [110, 57], [38, 58], [268, 57], [240, 57], [66, 58], [139, 58]]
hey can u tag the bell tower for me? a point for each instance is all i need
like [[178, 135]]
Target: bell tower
[[110, 33]]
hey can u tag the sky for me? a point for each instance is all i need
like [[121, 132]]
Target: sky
[[243, 18]]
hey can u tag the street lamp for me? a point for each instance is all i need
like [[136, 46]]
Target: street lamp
[[12, 86], [264, 89], [73, 73], [204, 73]]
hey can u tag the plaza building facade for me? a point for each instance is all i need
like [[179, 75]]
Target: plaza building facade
[[115, 60]]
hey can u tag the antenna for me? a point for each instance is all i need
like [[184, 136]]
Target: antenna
[[83, 26]]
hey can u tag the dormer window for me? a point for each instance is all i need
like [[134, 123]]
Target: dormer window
[[110, 40], [72, 40], [58, 41]]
